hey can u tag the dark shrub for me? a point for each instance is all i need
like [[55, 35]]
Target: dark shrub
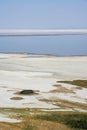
[[26, 92]]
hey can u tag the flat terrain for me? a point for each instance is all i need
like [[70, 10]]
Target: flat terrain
[[60, 85], [37, 119]]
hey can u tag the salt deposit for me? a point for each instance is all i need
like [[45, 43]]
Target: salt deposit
[[4, 118], [22, 71]]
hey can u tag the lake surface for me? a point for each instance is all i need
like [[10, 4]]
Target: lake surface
[[55, 45]]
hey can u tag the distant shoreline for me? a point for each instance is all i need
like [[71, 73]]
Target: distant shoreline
[[25, 53]]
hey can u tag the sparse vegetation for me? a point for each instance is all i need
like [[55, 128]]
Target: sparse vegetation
[[81, 83], [65, 104], [16, 98], [26, 92], [61, 89], [36, 119], [71, 119]]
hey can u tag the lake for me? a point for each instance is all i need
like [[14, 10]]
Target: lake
[[55, 45]]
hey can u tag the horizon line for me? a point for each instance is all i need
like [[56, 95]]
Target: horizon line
[[42, 32]]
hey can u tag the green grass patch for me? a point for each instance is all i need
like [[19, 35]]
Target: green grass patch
[[72, 119], [81, 83]]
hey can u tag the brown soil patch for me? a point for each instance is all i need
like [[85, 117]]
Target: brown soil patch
[[8, 126], [65, 103], [61, 89]]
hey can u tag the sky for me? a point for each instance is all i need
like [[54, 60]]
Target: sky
[[46, 14]]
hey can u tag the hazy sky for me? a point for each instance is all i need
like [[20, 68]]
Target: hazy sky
[[44, 14]]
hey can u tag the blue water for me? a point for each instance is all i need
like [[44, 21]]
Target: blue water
[[54, 45]]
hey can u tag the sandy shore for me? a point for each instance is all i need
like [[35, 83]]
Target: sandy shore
[[22, 71]]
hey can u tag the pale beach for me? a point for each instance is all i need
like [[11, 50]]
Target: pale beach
[[41, 73]]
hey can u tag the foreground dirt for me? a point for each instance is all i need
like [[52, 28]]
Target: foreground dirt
[[34, 125]]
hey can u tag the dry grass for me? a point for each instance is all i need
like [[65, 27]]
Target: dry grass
[[34, 125], [73, 120], [35, 119], [81, 83], [48, 125], [61, 89], [73, 105], [10, 126], [65, 104], [16, 98]]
